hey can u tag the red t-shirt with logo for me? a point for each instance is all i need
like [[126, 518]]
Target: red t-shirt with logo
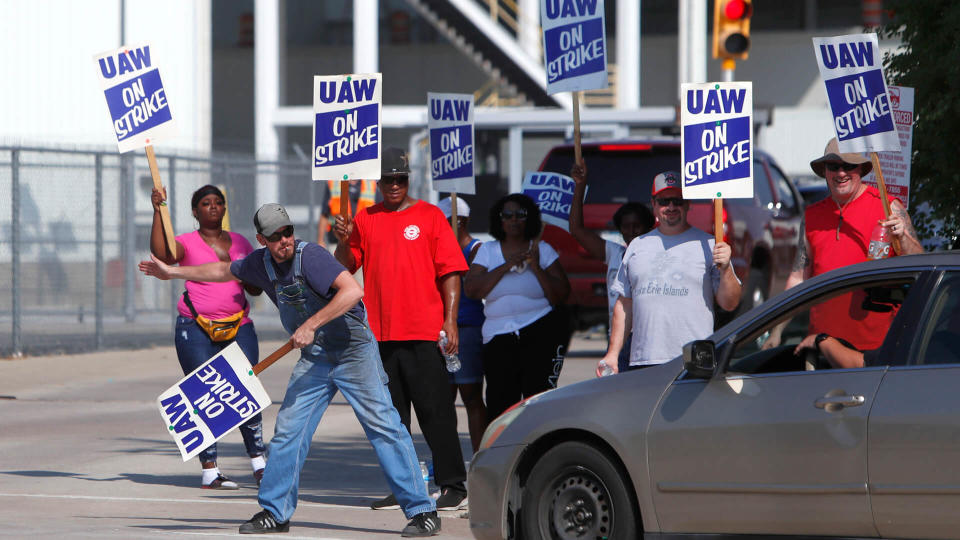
[[403, 255], [835, 243]]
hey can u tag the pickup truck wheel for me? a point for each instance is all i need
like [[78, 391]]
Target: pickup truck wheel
[[576, 492]]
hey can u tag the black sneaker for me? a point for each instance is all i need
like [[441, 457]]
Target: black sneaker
[[387, 503], [452, 498], [262, 523], [425, 524]]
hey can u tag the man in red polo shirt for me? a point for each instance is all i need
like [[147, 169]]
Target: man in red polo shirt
[[836, 233], [411, 269]]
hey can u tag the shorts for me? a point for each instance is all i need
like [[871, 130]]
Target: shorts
[[471, 356]]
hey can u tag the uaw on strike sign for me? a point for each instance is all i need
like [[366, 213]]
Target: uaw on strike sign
[[574, 45], [450, 121], [208, 403], [346, 127], [135, 96], [851, 68], [717, 140]]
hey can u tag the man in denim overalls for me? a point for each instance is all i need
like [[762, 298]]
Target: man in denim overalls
[[319, 304]]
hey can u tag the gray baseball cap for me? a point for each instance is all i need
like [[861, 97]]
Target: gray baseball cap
[[270, 218]]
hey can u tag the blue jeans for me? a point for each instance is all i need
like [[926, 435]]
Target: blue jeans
[[194, 347], [318, 375]]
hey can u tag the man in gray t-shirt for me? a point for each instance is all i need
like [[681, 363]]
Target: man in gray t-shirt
[[667, 284]]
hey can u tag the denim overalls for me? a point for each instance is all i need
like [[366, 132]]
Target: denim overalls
[[345, 357]]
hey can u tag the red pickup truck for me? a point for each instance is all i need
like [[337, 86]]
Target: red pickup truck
[[762, 231]]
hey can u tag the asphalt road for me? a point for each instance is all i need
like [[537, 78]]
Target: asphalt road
[[84, 454]]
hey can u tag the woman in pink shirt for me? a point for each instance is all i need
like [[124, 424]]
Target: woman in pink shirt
[[210, 243]]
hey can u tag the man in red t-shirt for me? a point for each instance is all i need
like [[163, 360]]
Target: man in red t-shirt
[[836, 233], [411, 269]]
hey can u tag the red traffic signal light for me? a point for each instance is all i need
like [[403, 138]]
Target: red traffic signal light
[[731, 28]]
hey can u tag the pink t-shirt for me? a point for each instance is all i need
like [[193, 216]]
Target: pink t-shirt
[[213, 300]]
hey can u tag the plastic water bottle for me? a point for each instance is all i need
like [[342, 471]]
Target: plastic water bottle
[[453, 362], [425, 471], [879, 243], [607, 370]]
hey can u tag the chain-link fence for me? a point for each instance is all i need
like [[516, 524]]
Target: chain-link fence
[[75, 223]]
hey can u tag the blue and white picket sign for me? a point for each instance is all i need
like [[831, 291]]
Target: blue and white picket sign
[[135, 96], [716, 149], [450, 121], [574, 45], [346, 126], [211, 401], [553, 193], [852, 71]]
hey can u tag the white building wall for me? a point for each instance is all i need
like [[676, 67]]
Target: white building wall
[[50, 92]]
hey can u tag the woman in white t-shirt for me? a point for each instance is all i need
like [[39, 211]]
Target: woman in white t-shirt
[[520, 280]]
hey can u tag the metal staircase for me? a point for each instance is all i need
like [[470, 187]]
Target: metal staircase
[[492, 48]]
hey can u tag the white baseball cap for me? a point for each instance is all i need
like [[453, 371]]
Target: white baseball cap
[[463, 209]]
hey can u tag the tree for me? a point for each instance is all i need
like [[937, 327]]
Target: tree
[[929, 61]]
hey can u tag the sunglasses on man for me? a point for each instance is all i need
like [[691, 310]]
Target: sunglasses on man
[[285, 232], [834, 166], [398, 179], [667, 201]]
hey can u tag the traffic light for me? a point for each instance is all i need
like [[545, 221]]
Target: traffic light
[[731, 28]]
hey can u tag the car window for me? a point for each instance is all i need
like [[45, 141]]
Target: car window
[[617, 176], [750, 356], [787, 202], [761, 185], [940, 338]]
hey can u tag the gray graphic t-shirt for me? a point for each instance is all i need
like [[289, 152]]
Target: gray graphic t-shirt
[[671, 280]]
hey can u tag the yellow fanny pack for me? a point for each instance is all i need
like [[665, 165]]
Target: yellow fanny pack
[[219, 330]]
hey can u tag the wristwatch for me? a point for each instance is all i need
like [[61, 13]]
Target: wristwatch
[[820, 337]]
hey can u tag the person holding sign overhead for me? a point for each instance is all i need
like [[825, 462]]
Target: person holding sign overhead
[[668, 283], [319, 304], [633, 219], [211, 315], [411, 267], [836, 232], [521, 281]]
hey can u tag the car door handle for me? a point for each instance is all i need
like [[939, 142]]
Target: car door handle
[[835, 403]]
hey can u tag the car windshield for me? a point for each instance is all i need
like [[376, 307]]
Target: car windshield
[[617, 176]]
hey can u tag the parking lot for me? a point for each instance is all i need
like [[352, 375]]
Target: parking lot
[[85, 455]]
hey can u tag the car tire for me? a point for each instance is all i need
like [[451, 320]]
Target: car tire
[[576, 491]]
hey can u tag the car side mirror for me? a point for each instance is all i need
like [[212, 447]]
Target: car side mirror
[[700, 358]]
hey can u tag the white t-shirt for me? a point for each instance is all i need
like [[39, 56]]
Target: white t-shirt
[[614, 257], [671, 280], [517, 299]]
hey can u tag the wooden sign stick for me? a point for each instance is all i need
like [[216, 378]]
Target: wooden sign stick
[[882, 186], [345, 199], [577, 151], [453, 215], [274, 356], [164, 207]]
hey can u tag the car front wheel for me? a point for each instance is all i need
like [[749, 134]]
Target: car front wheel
[[575, 492]]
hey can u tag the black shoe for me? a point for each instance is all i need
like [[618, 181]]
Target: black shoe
[[425, 524], [221, 482], [387, 503], [263, 522], [258, 476], [452, 498]]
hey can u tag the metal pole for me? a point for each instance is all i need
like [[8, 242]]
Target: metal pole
[[129, 237], [15, 247], [312, 220], [98, 258], [729, 69], [515, 156]]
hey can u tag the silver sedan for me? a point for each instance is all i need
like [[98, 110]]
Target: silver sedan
[[748, 435]]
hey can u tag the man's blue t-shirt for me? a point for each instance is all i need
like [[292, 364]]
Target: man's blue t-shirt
[[317, 266]]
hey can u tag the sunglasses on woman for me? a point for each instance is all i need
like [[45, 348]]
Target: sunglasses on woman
[[285, 232], [509, 214]]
